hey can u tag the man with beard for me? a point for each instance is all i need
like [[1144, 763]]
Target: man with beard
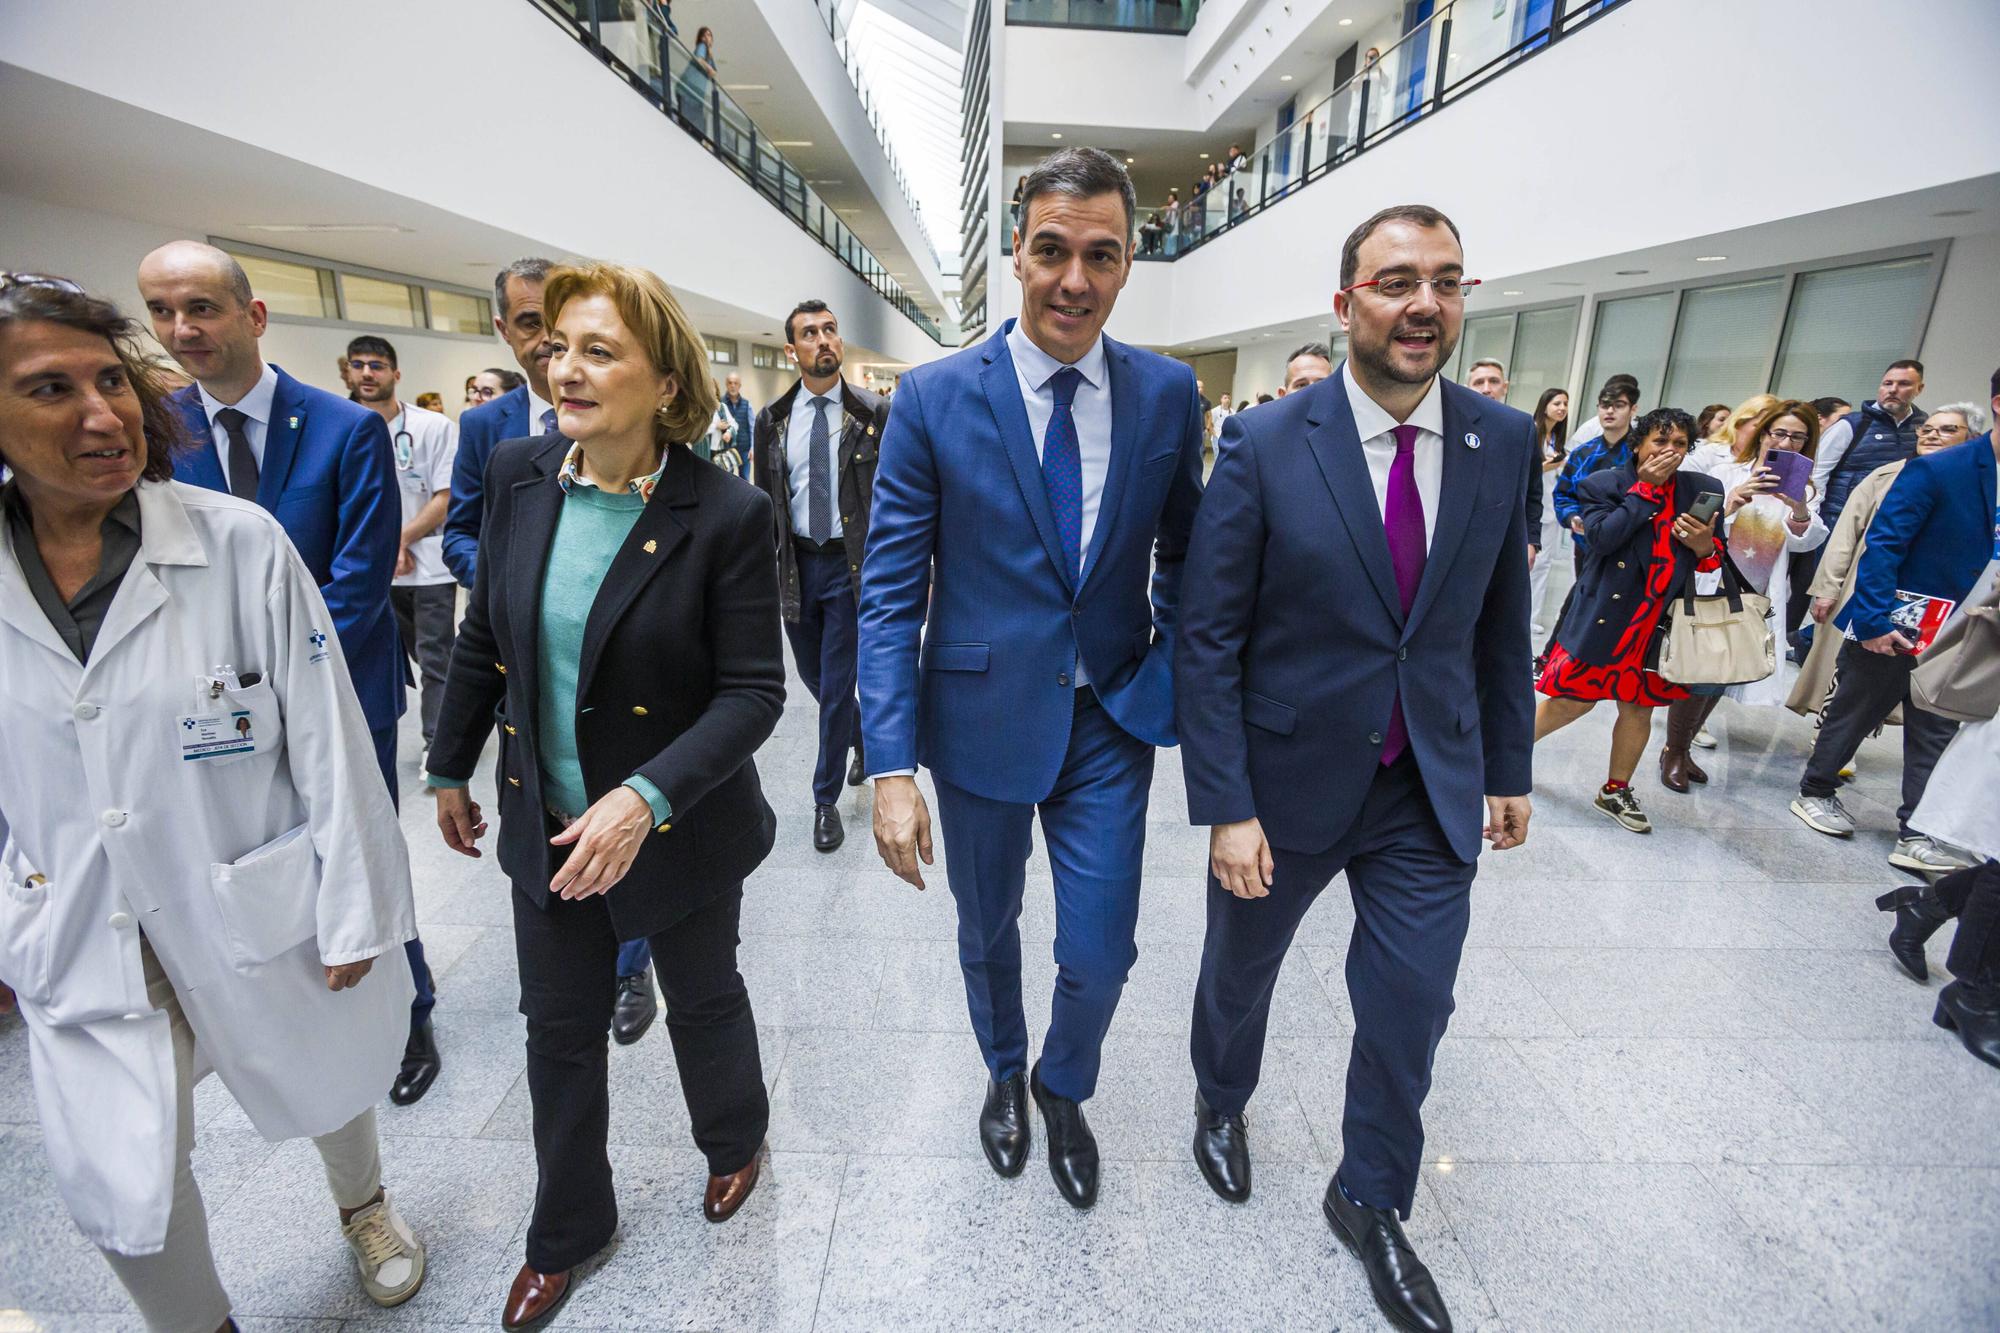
[[1351, 683], [424, 444], [814, 454]]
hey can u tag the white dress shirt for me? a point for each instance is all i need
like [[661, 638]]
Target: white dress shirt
[[1378, 442], [536, 407], [256, 406], [1090, 409], [423, 468], [798, 457]]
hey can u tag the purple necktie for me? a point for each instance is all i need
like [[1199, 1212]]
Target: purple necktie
[[1403, 522]]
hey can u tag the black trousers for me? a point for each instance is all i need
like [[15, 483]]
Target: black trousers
[[1412, 904], [1867, 688], [569, 969], [1973, 896]]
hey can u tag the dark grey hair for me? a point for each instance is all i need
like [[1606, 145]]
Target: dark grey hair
[[1320, 350], [1083, 173], [1486, 361], [532, 269]]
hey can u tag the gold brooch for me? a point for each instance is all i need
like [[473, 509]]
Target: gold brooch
[[651, 547]]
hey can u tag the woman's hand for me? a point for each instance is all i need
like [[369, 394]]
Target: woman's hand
[[606, 839], [458, 819], [1822, 607], [1696, 536], [1659, 469], [1752, 486]]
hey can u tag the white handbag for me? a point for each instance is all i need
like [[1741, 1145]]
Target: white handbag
[[1723, 638]]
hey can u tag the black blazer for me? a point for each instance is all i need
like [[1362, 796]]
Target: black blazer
[[682, 677], [1619, 568], [864, 416]]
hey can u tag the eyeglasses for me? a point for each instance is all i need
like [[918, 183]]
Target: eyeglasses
[[9, 281], [1401, 288], [1928, 429], [379, 367], [1785, 436], [483, 393]]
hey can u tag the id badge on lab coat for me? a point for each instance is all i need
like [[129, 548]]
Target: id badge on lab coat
[[233, 718]]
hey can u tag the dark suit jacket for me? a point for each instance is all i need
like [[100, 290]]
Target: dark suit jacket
[[1294, 645], [1933, 535], [1618, 563], [682, 678], [505, 418], [864, 416], [329, 477]]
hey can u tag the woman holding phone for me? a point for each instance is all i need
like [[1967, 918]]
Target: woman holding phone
[[1766, 520], [1647, 536]]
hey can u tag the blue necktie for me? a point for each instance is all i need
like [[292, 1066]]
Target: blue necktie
[[549, 422], [1062, 467]]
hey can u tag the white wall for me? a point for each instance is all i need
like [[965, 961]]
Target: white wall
[[1962, 345], [1104, 80], [587, 166]]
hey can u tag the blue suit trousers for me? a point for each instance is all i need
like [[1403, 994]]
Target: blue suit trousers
[[420, 971], [1094, 823], [824, 639], [1412, 904]]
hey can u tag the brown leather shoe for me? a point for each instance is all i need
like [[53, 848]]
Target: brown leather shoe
[[534, 1297], [1674, 770], [727, 1193]]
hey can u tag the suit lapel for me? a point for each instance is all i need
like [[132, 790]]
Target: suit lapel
[[1125, 437], [1457, 489], [645, 552], [281, 442], [537, 508], [1337, 448], [201, 466], [1003, 396]]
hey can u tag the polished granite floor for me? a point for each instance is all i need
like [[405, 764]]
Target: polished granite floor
[[1685, 1089]]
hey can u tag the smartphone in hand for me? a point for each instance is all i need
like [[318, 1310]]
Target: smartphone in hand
[[1705, 507], [1794, 470]]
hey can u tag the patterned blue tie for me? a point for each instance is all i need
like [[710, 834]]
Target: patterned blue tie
[[1062, 467], [549, 422]]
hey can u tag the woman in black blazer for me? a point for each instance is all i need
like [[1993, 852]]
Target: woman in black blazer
[[625, 624], [1642, 546]]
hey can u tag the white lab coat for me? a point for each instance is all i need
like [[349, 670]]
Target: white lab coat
[[246, 873]]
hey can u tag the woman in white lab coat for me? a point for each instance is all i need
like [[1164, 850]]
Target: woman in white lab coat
[[202, 870]]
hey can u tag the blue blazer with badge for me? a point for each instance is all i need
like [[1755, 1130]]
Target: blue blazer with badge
[[1293, 641], [329, 477], [974, 677], [1933, 534], [505, 418]]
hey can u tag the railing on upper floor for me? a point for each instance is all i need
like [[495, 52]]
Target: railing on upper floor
[[1117, 15], [1462, 44], [631, 38]]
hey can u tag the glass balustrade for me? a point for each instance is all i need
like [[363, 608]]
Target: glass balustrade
[[1129, 15], [632, 39]]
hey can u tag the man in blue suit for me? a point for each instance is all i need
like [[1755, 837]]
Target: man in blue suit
[[1041, 474], [323, 466], [1937, 527], [1352, 690], [520, 413]]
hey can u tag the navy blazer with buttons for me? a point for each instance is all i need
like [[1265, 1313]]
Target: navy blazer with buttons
[[329, 478], [1618, 559], [1294, 644], [479, 430], [1933, 534]]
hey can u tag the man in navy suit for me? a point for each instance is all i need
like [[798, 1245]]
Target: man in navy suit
[[1352, 689], [1937, 527], [323, 466], [1041, 474]]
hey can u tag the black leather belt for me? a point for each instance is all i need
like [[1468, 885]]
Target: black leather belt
[[837, 546]]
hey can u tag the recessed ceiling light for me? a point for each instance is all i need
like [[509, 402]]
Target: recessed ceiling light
[[1955, 213], [385, 227], [790, 143], [1204, 154], [1709, 259], [1284, 78], [1347, 23], [1056, 134], [1511, 292], [1631, 272], [746, 87]]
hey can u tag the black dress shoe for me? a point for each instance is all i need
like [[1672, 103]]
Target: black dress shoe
[[636, 1008], [1072, 1147], [827, 830], [857, 769], [1402, 1285], [1918, 916], [420, 1066], [1973, 1012], [1222, 1150], [1003, 1124]]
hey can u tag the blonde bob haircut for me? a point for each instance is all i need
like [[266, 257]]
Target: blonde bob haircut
[[1746, 411], [663, 330]]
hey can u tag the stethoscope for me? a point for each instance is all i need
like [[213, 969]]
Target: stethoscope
[[405, 445]]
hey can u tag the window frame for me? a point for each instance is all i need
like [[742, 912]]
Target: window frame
[[339, 267]]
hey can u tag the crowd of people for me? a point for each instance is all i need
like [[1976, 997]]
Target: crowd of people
[[1326, 599]]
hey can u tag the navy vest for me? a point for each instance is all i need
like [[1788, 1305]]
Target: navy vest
[[1877, 441]]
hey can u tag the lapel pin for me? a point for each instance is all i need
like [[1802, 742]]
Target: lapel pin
[[292, 423], [1471, 440], [652, 546]]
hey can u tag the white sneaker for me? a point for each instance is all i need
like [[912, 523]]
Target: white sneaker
[[1926, 856], [389, 1255], [1704, 741], [1825, 814]]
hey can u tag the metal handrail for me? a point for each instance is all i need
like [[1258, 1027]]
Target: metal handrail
[[644, 52]]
